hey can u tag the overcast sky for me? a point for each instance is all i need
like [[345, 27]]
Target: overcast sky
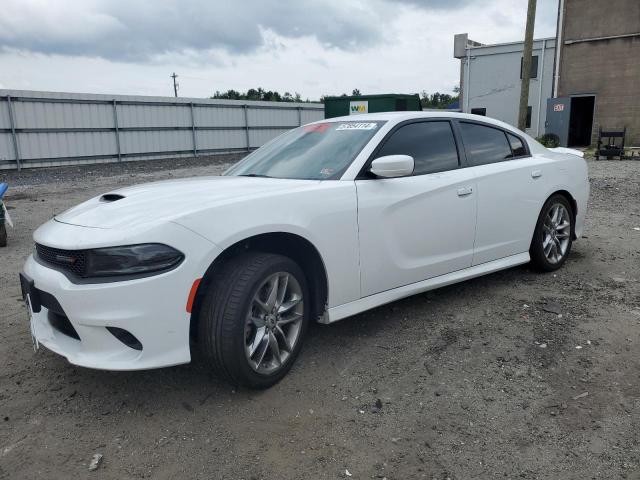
[[313, 47]]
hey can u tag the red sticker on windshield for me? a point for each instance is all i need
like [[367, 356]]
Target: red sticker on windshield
[[317, 127]]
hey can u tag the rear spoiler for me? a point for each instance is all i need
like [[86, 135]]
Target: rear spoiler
[[571, 151]]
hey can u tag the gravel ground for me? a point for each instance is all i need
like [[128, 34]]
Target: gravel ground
[[513, 375]]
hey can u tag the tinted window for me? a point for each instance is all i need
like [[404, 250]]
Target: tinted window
[[431, 144], [516, 146], [484, 144], [479, 111]]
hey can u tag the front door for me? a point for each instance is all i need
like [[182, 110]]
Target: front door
[[418, 227]]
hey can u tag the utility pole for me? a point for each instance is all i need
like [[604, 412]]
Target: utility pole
[[175, 85], [526, 65]]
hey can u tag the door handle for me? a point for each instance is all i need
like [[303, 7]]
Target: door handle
[[464, 191], [536, 174]]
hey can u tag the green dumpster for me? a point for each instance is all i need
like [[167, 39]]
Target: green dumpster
[[354, 105]]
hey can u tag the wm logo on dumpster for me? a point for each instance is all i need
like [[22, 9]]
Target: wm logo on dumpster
[[358, 107]]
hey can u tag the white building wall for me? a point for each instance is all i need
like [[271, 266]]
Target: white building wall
[[493, 82]]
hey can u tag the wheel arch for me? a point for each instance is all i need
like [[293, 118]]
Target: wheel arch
[[291, 245]]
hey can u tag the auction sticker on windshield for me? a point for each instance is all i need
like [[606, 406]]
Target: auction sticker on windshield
[[357, 126]]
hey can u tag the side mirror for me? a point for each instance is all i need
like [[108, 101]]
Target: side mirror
[[392, 166]]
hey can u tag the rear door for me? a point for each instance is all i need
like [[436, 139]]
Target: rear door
[[510, 190], [417, 227]]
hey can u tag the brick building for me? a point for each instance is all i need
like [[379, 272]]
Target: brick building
[[598, 67]]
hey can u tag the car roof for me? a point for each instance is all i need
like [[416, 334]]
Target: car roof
[[410, 115], [397, 117]]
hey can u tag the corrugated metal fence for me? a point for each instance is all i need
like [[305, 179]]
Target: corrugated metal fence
[[48, 129]]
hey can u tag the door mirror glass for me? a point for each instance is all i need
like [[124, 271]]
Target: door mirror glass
[[391, 166]]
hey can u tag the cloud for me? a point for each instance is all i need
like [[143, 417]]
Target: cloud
[[315, 47], [437, 4], [139, 30], [144, 30]]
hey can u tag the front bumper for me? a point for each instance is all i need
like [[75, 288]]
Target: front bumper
[[152, 309]]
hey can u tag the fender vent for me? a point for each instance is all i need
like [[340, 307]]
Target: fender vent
[[111, 197]]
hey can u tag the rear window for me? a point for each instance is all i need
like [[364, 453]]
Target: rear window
[[517, 147], [484, 144]]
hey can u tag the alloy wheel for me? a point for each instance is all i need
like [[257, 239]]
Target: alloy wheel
[[274, 322], [556, 233]]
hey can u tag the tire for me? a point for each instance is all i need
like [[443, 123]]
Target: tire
[[237, 317], [550, 230], [3, 235]]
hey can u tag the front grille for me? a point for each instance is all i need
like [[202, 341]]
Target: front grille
[[73, 261]]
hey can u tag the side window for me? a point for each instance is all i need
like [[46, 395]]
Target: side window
[[517, 147], [431, 144], [484, 144]]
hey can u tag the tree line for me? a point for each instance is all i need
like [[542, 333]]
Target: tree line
[[259, 94], [428, 100]]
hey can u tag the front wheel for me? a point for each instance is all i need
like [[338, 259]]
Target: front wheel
[[552, 237], [254, 318]]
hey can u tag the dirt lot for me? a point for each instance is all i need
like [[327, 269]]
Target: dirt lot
[[514, 375]]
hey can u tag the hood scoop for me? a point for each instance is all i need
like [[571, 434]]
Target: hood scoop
[[111, 197], [137, 207]]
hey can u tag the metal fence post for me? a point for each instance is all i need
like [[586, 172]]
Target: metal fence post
[[300, 116], [246, 126], [12, 123], [193, 131], [115, 123]]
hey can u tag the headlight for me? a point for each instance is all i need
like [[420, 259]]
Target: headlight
[[131, 260]]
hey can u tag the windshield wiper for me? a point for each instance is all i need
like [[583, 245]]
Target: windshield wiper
[[254, 175]]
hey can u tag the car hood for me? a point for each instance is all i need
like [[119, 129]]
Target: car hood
[[169, 200]]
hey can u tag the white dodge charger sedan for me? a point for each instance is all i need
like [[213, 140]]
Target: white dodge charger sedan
[[326, 221]]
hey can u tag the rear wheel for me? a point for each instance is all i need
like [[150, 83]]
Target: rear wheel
[[552, 237], [254, 318]]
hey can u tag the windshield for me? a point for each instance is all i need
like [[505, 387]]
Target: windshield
[[320, 151]]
